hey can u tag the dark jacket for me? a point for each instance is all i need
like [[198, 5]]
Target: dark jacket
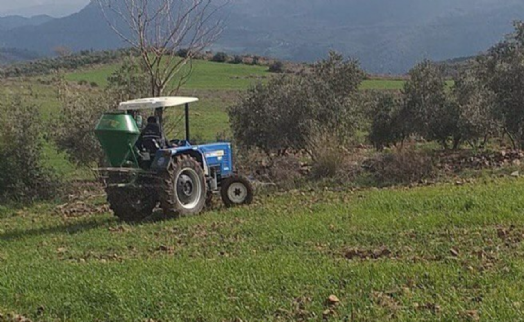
[[149, 135]]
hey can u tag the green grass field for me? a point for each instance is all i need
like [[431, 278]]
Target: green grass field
[[205, 75], [218, 76], [447, 253]]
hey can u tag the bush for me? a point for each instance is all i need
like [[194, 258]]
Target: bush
[[237, 60], [220, 57], [184, 52], [81, 110], [328, 156], [79, 114], [23, 175], [402, 167], [276, 67], [283, 171]]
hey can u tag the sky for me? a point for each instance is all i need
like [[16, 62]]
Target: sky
[[55, 8]]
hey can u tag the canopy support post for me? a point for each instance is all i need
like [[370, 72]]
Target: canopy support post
[[187, 122]]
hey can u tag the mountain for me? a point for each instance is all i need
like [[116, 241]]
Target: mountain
[[54, 8], [12, 22], [386, 36], [13, 55]]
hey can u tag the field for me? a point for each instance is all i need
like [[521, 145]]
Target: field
[[434, 253], [219, 76], [447, 252]]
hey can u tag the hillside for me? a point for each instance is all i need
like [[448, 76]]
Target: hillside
[[386, 36], [11, 22], [13, 55]]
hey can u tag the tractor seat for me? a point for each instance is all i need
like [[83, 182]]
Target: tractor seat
[[151, 143]]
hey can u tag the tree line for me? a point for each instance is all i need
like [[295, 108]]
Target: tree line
[[484, 100]]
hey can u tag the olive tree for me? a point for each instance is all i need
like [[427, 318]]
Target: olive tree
[[428, 110], [290, 110], [475, 104], [24, 175], [80, 110], [386, 127], [503, 74]]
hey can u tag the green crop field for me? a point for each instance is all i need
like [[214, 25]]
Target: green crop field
[[447, 253], [219, 76], [205, 75]]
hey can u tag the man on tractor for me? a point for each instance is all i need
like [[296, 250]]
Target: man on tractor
[[179, 178]]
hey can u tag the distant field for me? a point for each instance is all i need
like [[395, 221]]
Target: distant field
[[447, 253], [205, 75], [383, 84], [389, 84], [220, 76]]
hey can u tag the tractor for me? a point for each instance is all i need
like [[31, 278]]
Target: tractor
[[146, 170]]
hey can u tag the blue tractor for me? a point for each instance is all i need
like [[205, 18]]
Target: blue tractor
[[146, 170]]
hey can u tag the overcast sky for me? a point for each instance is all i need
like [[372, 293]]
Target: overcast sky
[[56, 8]]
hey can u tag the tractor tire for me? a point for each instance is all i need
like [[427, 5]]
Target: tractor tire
[[183, 188], [237, 191], [131, 205]]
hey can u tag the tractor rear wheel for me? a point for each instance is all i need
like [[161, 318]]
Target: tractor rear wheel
[[184, 190], [236, 191], [130, 204]]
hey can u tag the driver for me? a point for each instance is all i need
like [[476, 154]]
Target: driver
[[151, 134]]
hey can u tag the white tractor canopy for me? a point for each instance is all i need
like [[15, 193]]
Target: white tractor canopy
[[155, 102]]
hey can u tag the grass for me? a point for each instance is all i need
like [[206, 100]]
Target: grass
[[445, 252], [205, 75], [219, 76], [389, 84]]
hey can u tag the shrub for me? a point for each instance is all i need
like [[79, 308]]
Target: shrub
[[183, 52], [328, 156], [283, 171], [81, 110], [237, 60], [79, 114], [23, 175], [276, 67], [220, 57], [403, 166]]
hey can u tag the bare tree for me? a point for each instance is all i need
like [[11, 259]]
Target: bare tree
[[158, 29]]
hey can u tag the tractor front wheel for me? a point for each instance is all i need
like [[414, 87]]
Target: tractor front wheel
[[184, 189], [131, 205], [236, 191]]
